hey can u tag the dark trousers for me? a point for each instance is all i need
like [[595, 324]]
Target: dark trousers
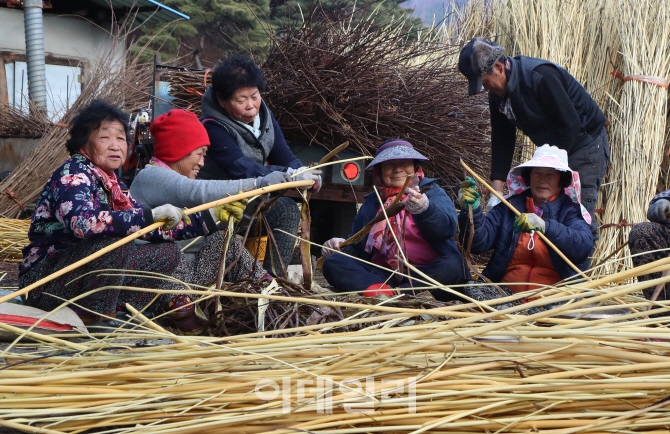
[[647, 237], [591, 164], [348, 274], [284, 215]]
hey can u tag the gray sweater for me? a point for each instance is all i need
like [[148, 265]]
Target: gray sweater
[[154, 186]]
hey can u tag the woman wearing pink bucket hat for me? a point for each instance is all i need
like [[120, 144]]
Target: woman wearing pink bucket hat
[[546, 191]]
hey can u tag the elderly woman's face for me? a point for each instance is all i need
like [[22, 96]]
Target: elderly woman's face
[[544, 184], [190, 165], [107, 146], [394, 172], [243, 105]]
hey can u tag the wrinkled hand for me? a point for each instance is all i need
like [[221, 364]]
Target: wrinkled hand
[[333, 243], [171, 215], [224, 212], [493, 201], [467, 195], [416, 202], [310, 175], [529, 222], [272, 179], [657, 210]]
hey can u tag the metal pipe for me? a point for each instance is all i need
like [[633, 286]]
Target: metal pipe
[[34, 29]]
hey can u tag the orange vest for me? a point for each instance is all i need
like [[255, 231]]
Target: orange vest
[[530, 266]]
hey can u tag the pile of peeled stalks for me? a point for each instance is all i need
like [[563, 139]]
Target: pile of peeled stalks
[[566, 368]]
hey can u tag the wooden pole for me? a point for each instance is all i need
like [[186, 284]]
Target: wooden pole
[[516, 212], [121, 242]]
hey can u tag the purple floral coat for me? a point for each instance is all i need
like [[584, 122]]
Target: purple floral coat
[[75, 205]]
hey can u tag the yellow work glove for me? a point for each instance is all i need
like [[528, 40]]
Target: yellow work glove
[[223, 213], [467, 195], [171, 215], [528, 223]]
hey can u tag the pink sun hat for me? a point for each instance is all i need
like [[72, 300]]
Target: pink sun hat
[[546, 156]]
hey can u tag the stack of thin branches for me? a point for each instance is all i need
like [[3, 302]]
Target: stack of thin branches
[[333, 80], [14, 122], [494, 371], [117, 79], [231, 315]]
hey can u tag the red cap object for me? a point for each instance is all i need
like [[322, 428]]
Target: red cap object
[[377, 289], [177, 133]]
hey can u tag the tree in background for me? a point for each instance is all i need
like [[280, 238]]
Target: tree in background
[[218, 28], [215, 28]]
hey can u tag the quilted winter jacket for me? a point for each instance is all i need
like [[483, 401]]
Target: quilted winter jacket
[[565, 227]]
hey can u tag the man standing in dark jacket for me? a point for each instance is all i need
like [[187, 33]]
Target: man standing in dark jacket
[[547, 104]]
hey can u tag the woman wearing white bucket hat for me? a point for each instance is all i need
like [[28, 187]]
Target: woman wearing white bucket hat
[[546, 191]]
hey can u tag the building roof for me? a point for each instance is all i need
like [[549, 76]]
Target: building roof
[[145, 11]]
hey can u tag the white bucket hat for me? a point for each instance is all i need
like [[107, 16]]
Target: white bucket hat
[[546, 156]]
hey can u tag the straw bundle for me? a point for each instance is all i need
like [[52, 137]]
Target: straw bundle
[[639, 124], [473, 373], [332, 81], [13, 236], [120, 81]]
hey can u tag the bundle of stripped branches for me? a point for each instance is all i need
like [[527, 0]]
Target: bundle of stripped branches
[[14, 122], [336, 79]]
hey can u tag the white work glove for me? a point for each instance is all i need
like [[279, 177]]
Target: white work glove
[[310, 175], [493, 201], [333, 243], [657, 210], [171, 215], [271, 179], [416, 202]]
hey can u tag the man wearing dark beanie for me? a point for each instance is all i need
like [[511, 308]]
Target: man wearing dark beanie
[[547, 104]]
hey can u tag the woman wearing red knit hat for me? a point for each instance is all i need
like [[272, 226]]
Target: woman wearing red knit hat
[[181, 143]]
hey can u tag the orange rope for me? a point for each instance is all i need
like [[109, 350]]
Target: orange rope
[[659, 81]]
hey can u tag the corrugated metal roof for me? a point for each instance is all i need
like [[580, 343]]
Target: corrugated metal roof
[[150, 11]]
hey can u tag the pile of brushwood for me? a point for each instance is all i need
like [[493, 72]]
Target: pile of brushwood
[[334, 79], [233, 315], [15, 122]]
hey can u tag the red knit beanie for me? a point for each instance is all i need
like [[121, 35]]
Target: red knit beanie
[[177, 133]]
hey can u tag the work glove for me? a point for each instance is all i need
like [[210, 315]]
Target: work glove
[[223, 213], [272, 179], [417, 202], [171, 215], [311, 175], [467, 194], [333, 243], [657, 210], [493, 201], [529, 222]]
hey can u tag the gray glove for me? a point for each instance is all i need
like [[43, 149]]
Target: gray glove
[[657, 210], [171, 215], [271, 179], [311, 175]]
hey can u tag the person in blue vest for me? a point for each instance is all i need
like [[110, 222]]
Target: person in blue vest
[[246, 142], [547, 104], [425, 230]]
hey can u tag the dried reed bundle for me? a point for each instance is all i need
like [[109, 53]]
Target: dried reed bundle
[[474, 373], [14, 122], [13, 236], [331, 81], [117, 79], [639, 122]]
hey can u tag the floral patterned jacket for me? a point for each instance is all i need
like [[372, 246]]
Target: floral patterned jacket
[[75, 205]]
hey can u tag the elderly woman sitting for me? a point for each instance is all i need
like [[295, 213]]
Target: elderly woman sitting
[[246, 142], [519, 255], [181, 144], [425, 230], [84, 208], [650, 241]]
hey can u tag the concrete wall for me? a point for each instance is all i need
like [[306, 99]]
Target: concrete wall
[[13, 150], [64, 36]]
